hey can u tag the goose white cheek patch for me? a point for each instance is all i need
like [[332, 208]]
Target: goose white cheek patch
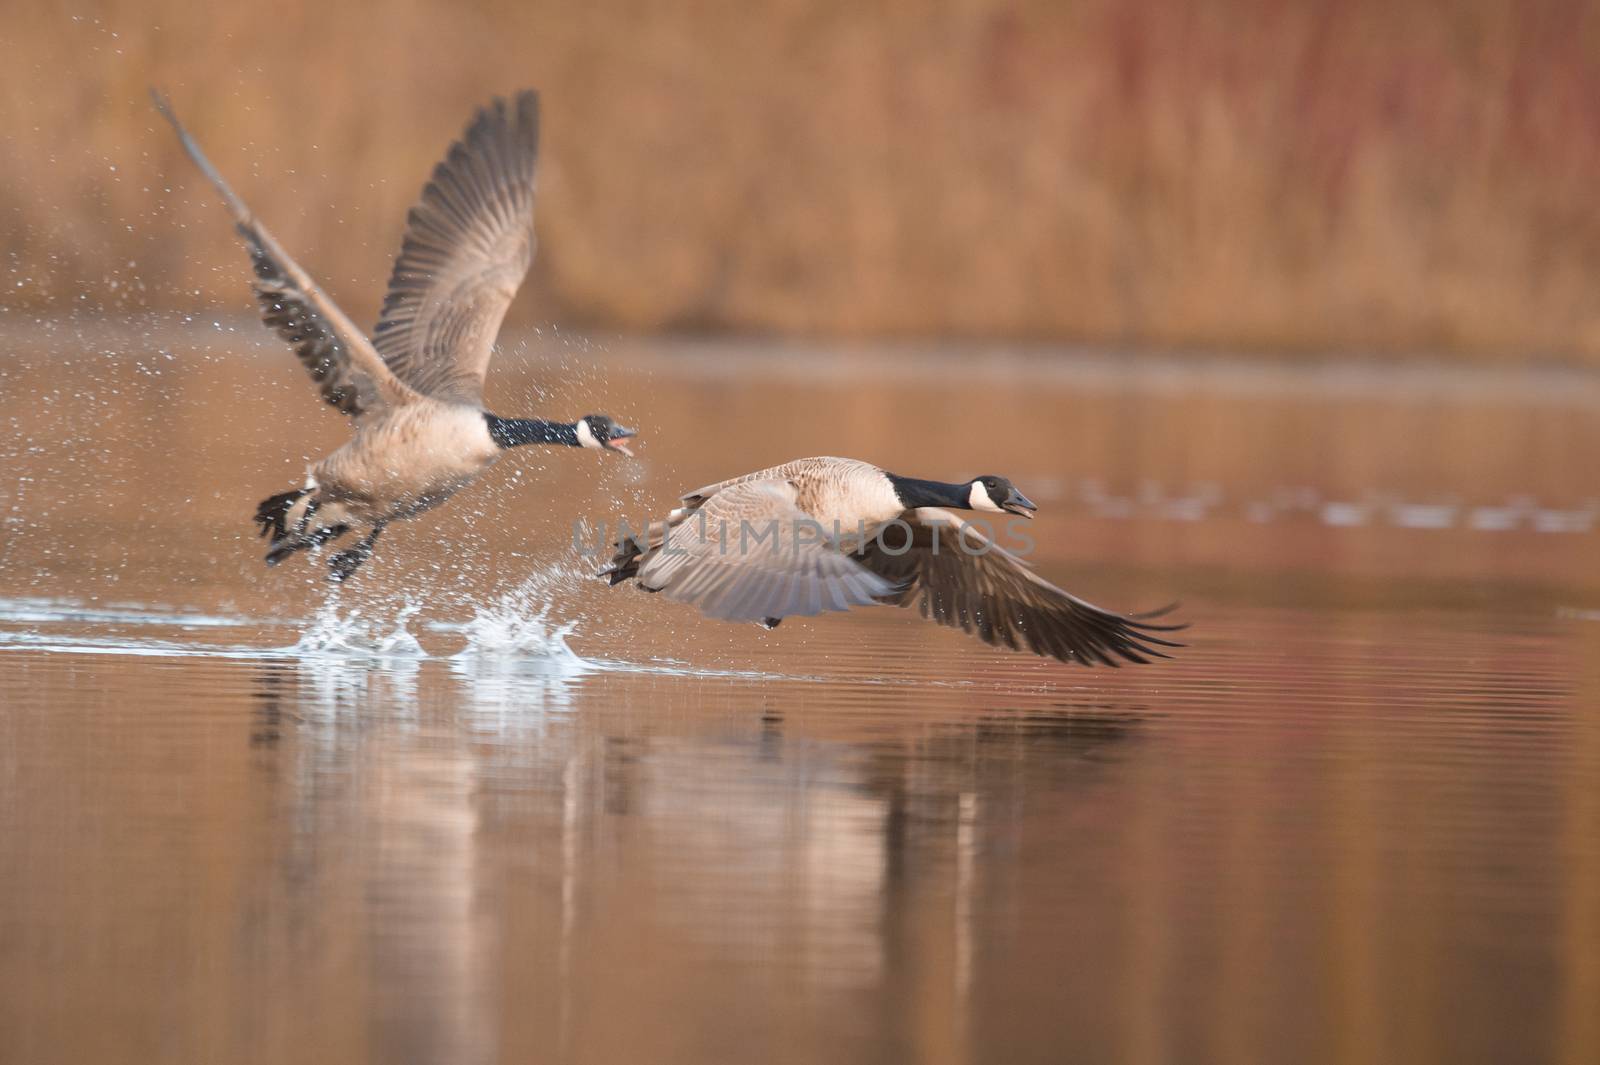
[[978, 498], [586, 435]]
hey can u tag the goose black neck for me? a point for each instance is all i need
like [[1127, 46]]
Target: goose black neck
[[917, 493], [514, 432]]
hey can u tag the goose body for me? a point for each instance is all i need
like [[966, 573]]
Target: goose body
[[828, 490], [828, 534], [414, 390], [407, 463]]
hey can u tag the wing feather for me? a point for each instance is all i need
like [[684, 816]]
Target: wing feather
[[979, 587], [467, 246], [741, 557], [819, 467], [344, 364]]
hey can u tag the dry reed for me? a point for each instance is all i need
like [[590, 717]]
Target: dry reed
[[1243, 174]]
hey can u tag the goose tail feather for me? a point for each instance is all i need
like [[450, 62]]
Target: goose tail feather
[[292, 522], [273, 512]]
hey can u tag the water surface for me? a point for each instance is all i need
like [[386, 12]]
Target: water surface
[[475, 806]]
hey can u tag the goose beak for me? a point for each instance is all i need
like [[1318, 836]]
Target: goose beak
[[1017, 503], [618, 435]]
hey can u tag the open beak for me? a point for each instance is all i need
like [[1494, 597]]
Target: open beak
[[615, 440], [1017, 503]]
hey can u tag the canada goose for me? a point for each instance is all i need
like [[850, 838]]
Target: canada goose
[[415, 390], [824, 534]]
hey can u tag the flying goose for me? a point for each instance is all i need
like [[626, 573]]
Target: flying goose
[[415, 390], [825, 534]]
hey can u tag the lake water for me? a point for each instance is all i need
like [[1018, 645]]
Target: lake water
[[476, 806]]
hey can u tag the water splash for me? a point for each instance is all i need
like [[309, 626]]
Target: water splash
[[518, 623], [334, 633], [501, 630], [516, 658]]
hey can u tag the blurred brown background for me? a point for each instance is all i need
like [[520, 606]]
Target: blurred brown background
[[1252, 175]]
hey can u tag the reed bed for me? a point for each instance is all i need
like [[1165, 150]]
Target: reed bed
[[1298, 178]]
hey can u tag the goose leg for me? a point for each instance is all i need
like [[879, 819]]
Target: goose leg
[[346, 562]]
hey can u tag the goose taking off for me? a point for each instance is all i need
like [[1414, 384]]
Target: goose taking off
[[824, 534], [415, 390]]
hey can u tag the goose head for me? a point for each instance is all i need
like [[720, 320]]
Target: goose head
[[603, 432], [999, 495]]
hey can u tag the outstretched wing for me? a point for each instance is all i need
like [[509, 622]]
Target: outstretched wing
[[750, 554], [963, 579], [338, 356], [468, 245]]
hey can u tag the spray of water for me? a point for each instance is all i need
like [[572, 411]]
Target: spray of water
[[334, 633], [519, 622]]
